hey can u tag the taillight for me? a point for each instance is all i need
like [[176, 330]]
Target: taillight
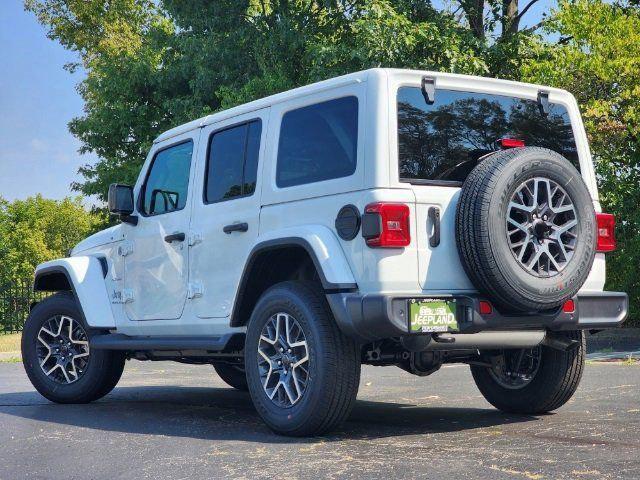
[[569, 306], [606, 232], [485, 308], [511, 143], [386, 225]]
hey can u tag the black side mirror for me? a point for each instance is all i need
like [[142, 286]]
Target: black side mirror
[[121, 202]]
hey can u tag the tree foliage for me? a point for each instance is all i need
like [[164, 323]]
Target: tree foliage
[[151, 65], [35, 230], [597, 58]]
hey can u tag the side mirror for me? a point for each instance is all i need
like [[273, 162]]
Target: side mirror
[[120, 201]]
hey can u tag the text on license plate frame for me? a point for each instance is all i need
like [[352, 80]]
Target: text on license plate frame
[[432, 315]]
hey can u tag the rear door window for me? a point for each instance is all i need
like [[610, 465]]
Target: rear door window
[[443, 142], [318, 142], [232, 162]]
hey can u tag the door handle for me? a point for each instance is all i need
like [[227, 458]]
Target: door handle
[[236, 227], [175, 237], [434, 218]]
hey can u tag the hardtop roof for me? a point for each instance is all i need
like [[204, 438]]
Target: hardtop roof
[[356, 77]]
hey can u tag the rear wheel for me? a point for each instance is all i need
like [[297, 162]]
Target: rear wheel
[[57, 357], [302, 371], [532, 381], [232, 375]]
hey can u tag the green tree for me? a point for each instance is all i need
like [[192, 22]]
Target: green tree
[[597, 58], [151, 65], [35, 230]]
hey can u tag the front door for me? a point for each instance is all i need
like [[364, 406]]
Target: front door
[[156, 252]]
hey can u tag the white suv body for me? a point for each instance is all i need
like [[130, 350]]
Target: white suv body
[[216, 260], [184, 262]]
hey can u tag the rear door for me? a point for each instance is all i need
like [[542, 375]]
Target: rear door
[[226, 210], [438, 146]]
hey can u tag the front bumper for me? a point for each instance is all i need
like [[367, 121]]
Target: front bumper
[[374, 317]]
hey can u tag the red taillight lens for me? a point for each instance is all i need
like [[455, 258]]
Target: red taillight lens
[[394, 225], [569, 306], [606, 232], [510, 142], [485, 308]]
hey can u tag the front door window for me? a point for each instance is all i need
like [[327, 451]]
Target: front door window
[[166, 187]]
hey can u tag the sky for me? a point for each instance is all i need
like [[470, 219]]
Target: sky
[[38, 98], [37, 101]]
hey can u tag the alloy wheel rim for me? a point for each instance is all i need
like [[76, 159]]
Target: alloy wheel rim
[[283, 360], [516, 369], [541, 227], [62, 347]]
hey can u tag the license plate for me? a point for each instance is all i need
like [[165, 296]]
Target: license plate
[[432, 315]]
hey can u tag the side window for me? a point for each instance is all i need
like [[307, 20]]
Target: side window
[[318, 142], [165, 189], [232, 164]]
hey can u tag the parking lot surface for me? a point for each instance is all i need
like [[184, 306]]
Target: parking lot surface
[[174, 421]]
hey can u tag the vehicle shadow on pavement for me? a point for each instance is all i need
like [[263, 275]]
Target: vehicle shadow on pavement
[[226, 414]]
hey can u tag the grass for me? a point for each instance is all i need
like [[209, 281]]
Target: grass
[[629, 361], [10, 347], [11, 360], [10, 342]]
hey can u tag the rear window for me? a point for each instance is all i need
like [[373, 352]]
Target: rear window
[[318, 142], [443, 142]]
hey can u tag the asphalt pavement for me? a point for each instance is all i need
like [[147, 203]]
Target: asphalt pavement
[[174, 421]]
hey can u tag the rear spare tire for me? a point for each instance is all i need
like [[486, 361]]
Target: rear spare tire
[[525, 229]]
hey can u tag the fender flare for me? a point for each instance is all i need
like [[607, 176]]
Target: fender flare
[[86, 279], [323, 248]]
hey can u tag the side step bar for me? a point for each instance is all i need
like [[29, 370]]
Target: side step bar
[[119, 341]]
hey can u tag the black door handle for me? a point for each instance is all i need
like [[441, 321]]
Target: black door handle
[[434, 217], [175, 237], [236, 227]]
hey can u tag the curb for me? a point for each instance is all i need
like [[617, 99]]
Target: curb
[[618, 340]]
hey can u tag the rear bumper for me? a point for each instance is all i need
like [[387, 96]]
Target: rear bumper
[[374, 317]]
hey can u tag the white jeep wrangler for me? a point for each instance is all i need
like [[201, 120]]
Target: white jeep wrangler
[[386, 217]]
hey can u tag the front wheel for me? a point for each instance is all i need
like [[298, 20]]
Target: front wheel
[[532, 381], [232, 375], [302, 371], [57, 357]]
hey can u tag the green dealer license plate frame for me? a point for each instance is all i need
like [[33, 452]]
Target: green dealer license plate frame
[[433, 315]]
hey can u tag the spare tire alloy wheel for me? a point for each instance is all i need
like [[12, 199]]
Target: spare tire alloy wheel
[[283, 361], [526, 229], [63, 349], [542, 227]]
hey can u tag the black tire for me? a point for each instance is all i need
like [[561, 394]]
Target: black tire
[[334, 363], [552, 386], [102, 372], [232, 375], [481, 233]]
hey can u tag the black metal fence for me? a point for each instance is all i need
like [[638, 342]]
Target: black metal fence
[[16, 298]]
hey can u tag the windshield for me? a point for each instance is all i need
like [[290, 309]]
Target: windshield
[[445, 140]]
